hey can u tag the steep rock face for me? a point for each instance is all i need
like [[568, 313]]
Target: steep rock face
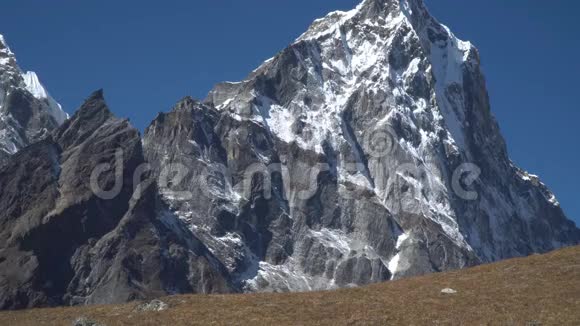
[[365, 151], [27, 112], [77, 227]]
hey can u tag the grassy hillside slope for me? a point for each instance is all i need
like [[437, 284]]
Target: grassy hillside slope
[[538, 290]]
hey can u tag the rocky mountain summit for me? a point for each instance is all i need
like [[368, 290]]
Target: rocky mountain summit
[[65, 242], [364, 152], [27, 112]]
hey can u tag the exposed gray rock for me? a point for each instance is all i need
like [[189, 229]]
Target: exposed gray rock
[[62, 242], [83, 321], [153, 305]]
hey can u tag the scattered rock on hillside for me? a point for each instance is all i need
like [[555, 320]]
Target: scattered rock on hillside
[[83, 321], [154, 305]]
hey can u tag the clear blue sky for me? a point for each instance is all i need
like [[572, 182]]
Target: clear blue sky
[[149, 54]]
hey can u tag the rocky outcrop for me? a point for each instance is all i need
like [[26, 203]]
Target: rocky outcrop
[[71, 235]]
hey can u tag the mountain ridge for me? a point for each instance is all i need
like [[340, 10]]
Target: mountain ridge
[[27, 111], [255, 100], [364, 152]]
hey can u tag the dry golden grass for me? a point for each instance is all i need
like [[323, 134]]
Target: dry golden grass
[[538, 290]]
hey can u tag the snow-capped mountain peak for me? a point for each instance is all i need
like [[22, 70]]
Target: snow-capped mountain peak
[[35, 87], [388, 71], [27, 111]]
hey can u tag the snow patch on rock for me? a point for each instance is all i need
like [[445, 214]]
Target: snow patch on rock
[[35, 87]]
